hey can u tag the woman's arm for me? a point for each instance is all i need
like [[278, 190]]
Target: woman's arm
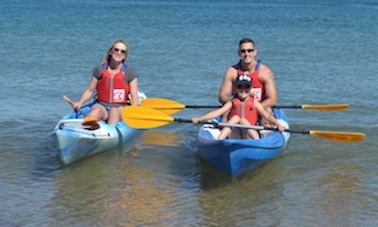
[[134, 92], [87, 94]]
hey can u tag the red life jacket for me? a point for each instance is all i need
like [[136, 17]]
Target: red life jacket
[[112, 88], [258, 89], [244, 109]]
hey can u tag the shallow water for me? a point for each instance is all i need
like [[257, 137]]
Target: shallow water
[[320, 51]]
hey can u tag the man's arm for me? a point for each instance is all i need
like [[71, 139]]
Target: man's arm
[[267, 78], [225, 89]]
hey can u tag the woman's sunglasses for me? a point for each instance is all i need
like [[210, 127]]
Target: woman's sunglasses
[[118, 50]]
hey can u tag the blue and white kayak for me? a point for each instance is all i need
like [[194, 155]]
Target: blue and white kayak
[[76, 142], [236, 156]]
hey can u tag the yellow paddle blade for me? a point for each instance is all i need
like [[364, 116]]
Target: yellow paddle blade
[[165, 105], [144, 118], [326, 107], [346, 137]]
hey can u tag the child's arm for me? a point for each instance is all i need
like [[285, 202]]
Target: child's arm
[[268, 116], [213, 114]]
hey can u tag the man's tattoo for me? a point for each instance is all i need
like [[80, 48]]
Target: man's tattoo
[[271, 76]]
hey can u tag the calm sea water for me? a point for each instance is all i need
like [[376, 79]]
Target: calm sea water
[[320, 52]]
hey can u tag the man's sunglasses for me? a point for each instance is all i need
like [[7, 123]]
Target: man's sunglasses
[[246, 50]]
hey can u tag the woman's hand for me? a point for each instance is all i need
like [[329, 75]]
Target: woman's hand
[[76, 105]]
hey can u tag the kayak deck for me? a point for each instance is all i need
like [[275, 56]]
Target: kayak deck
[[236, 156], [76, 141]]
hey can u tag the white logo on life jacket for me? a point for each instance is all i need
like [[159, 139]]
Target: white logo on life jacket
[[119, 95], [257, 93]]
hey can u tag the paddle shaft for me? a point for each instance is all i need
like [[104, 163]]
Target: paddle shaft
[[331, 135], [218, 106], [209, 106], [171, 106], [222, 124], [259, 127], [144, 118], [202, 106], [288, 106], [69, 101]]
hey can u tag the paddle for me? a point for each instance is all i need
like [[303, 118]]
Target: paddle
[[145, 118], [69, 101], [170, 106], [90, 123]]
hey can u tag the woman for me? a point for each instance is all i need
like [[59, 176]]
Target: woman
[[113, 81]]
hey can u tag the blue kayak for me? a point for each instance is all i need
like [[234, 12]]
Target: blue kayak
[[76, 142], [236, 156]]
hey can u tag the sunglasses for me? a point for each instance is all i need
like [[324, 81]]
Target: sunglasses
[[118, 50], [246, 50], [243, 86]]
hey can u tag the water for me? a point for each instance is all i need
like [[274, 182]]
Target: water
[[320, 52]]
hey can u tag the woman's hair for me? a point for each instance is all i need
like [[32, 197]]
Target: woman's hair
[[107, 57]]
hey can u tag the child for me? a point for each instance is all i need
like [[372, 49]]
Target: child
[[243, 108]]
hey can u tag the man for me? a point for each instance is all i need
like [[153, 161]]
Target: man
[[264, 88]]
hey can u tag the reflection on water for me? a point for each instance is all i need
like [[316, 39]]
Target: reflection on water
[[339, 190], [46, 163], [161, 181], [146, 185], [161, 138], [142, 199], [81, 187], [225, 200]]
